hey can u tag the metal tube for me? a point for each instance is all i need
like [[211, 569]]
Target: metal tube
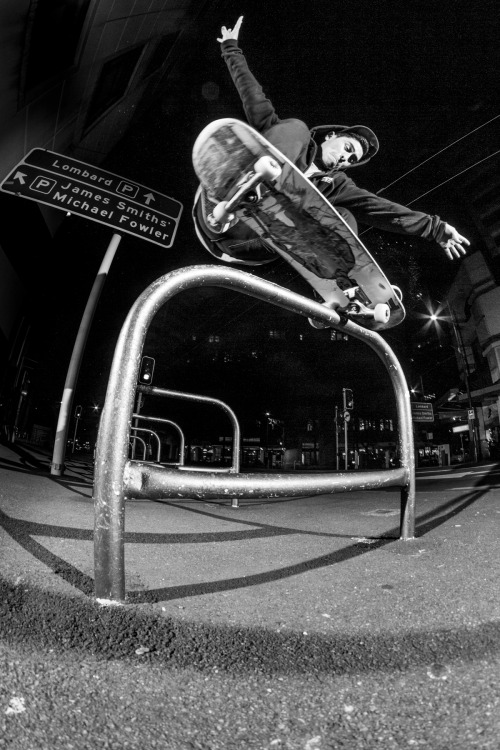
[[173, 424], [151, 432], [154, 391], [57, 465], [134, 439], [144, 480], [113, 471]]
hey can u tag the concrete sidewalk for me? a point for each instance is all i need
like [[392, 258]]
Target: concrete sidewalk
[[317, 585], [318, 564]]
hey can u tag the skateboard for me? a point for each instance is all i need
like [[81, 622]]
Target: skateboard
[[247, 179]]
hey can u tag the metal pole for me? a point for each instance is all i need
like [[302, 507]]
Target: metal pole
[[461, 348], [337, 437], [138, 408], [57, 465], [345, 444], [74, 434]]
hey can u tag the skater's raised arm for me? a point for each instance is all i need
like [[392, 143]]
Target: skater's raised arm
[[258, 109]]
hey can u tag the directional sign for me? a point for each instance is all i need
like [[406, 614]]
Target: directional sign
[[85, 190], [422, 412]]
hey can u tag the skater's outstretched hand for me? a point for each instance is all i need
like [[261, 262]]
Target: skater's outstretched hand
[[452, 242], [231, 33]]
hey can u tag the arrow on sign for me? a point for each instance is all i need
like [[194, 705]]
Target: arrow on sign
[[20, 176], [149, 197]]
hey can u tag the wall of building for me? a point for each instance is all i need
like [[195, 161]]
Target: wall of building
[[73, 75]]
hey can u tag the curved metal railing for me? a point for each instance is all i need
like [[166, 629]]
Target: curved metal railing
[[117, 478]]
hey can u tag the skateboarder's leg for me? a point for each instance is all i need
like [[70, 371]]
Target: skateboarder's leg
[[344, 262], [291, 137]]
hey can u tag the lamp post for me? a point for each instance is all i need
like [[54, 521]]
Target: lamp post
[[266, 452], [461, 349]]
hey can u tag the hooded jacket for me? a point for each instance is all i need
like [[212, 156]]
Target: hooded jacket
[[336, 186]]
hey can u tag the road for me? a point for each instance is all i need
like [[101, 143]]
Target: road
[[459, 478], [302, 625]]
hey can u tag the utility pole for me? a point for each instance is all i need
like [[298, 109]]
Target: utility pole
[[476, 443], [348, 401], [337, 437], [78, 414]]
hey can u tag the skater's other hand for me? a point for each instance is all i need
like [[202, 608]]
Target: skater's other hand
[[231, 33], [452, 242]]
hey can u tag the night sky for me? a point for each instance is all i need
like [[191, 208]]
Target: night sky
[[420, 74]]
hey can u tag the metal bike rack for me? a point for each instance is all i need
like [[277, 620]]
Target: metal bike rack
[[133, 439], [182, 441], [151, 432], [147, 418], [118, 478], [154, 391]]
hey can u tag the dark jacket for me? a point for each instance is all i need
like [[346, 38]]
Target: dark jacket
[[340, 190]]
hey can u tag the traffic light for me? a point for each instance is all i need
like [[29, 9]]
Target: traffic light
[[348, 399], [78, 412], [146, 371]]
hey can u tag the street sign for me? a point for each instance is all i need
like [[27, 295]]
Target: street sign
[[422, 412], [470, 413], [82, 189], [347, 416]]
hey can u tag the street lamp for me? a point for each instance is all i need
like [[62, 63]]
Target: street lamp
[[436, 318], [267, 415]]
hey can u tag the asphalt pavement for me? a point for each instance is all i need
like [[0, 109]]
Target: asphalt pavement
[[298, 623]]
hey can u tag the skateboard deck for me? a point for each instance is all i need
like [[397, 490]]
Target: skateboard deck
[[246, 178]]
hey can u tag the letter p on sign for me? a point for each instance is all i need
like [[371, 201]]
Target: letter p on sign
[[43, 184], [128, 190]]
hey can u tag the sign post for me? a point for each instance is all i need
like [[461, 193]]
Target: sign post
[[82, 189], [59, 453]]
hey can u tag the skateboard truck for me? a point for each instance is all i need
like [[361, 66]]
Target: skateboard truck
[[357, 308], [265, 168]]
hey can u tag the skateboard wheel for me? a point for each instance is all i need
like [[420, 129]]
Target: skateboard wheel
[[220, 214], [268, 168], [381, 313]]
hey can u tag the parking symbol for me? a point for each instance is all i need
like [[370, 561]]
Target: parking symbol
[[125, 188], [43, 184]]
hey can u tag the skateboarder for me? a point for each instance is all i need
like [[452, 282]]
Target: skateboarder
[[324, 154]]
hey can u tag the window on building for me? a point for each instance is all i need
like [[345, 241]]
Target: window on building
[[275, 334], [338, 336], [52, 35], [113, 83]]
